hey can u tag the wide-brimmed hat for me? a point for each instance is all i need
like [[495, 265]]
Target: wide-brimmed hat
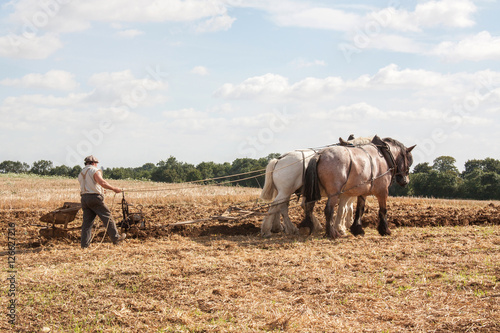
[[91, 159]]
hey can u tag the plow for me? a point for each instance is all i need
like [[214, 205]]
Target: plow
[[58, 222], [133, 219]]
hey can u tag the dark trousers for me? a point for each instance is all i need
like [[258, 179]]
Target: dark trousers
[[92, 206]]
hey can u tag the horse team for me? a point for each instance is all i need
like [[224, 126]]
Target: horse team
[[343, 173]]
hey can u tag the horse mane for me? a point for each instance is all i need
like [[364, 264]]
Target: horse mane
[[361, 141], [401, 146]]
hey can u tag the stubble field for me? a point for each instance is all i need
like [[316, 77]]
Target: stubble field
[[439, 271]]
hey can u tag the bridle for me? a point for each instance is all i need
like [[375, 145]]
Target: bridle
[[384, 148]]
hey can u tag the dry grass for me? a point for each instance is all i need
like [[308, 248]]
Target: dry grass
[[431, 279], [32, 192]]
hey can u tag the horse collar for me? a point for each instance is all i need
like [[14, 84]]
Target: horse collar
[[384, 148]]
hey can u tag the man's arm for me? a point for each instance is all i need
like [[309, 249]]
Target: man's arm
[[99, 180]]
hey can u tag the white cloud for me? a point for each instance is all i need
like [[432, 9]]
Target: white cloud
[[302, 63], [216, 23], [189, 119], [392, 77], [47, 101], [124, 88], [117, 97], [273, 87], [130, 33], [447, 13], [54, 79], [318, 18], [357, 111], [29, 46], [481, 46], [394, 43], [200, 70], [256, 87], [77, 15], [450, 13]]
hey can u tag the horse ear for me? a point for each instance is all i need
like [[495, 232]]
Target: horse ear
[[351, 137], [377, 140], [410, 149]]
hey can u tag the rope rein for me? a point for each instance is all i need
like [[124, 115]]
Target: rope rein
[[392, 168]]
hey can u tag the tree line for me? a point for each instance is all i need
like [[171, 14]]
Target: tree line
[[169, 171], [479, 180]]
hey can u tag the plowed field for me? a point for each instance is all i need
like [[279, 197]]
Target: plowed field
[[437, 272]]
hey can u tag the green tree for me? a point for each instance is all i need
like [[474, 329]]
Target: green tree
[[42, 167], [471, 185], [60, 170], [272, 156], [445, 164], [14, 167], [491, 184], [207, 169], [193, 175], [486, 165], [148, 167], [422, 168], [478, 184], [245, 167], [75, 171], [171, 171]]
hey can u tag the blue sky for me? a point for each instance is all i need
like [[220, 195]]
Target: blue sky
[[137, 81]]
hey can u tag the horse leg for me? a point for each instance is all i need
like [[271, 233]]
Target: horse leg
[[341, 215], [349, 212], [290, 228], [383, 227], [276, 224], [316, 224], [272, 215], [357, 227], [308, 221], [329, 211]]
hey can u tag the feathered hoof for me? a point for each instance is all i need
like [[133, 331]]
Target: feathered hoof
[[305, 231], [384, 232], [334, 234], [342, 232], [266, 235], [292, 231], [276, 230], [357, 230]]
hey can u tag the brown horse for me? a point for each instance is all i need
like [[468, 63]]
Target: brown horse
[[357, 171]]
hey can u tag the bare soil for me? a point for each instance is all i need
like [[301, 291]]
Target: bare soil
[[437, 272]]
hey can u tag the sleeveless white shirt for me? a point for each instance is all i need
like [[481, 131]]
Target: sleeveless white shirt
[[87, 181]]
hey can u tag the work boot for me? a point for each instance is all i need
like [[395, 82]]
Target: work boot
[[120, 239]]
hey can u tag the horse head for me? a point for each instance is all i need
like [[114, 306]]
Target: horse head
[[397, 156], [403, 161]]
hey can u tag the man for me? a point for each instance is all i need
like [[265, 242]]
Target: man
[[92, 187]]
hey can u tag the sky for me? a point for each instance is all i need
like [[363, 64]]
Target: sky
[[135, 82]]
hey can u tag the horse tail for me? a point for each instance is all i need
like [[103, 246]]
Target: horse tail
[[312, 190], [269, 190]]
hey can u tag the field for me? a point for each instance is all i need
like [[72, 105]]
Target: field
[[439, 271]]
